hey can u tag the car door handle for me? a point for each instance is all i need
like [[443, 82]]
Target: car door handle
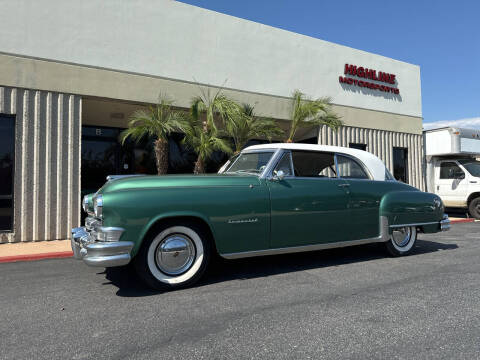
[[344, 185]]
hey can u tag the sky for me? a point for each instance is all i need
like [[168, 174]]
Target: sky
[[443, 37]]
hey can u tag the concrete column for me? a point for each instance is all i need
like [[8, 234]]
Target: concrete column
[[47, 163]]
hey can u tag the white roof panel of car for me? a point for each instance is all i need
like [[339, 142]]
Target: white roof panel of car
[[373, 163]]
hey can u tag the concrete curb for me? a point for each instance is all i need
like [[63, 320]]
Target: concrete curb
[[456, 221], [32, 257]]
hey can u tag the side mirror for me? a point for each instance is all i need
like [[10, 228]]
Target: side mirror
[[460, 175], [279, 175]]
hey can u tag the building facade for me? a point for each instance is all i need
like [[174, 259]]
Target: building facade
[[72, 74]]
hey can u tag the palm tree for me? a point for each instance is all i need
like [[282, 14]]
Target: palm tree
[[201, 132], [209, 106], [203, 142], [249, 126], [158, 122], [307, 112]]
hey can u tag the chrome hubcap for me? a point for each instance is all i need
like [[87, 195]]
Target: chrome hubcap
[[401, 236], [175, 254]]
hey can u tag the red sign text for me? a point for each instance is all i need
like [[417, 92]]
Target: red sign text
[[365, 73]]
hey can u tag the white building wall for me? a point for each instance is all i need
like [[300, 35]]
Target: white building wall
[[173, 40], [47, 163]]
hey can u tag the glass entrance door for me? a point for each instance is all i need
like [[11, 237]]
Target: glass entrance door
[[7, 161], [400, 165], [100, 156], [99, 159]]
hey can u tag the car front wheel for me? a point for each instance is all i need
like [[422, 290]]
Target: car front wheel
[[402, 241], [174, 256]]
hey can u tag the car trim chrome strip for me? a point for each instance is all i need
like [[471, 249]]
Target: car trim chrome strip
[[445, 222], [415, 224], [383, 237]]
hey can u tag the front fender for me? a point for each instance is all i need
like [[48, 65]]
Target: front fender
[[411, 207], [169, 215]]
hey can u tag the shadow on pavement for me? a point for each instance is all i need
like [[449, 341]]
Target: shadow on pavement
[[220, 270]]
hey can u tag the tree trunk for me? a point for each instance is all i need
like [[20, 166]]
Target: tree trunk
[[199, 166], [161, 155]]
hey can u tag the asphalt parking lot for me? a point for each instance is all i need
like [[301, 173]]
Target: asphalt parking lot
[[346, 303]]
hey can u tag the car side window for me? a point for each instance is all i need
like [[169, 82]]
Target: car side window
[[348, 168], [450, 170], [313, 164], [285, 164]]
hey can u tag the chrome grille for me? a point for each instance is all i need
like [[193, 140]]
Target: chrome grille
[[91, 223]]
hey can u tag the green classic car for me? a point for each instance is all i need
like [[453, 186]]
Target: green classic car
[[270, 199]]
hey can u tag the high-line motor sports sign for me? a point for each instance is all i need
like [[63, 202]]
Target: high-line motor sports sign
[[365, 73]]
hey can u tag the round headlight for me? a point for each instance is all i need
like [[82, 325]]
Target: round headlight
[[97, 205], [85, 203]]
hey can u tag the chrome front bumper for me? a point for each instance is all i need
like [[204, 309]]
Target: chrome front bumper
[[99, 253], [445, 223]]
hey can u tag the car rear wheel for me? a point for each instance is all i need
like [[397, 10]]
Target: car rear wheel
[[402, 241], [474, 208], [173, 256]]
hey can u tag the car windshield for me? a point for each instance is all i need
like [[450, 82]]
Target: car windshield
[[472, 166], [250, 162]]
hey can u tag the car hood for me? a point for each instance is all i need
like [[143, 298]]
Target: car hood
[[170, 181]]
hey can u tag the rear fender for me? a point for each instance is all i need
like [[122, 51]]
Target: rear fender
[[411, 208]]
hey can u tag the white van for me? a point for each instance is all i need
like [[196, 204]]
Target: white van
[[453, 167]]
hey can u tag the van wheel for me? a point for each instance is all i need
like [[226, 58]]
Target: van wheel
[[474, 208], [174, 256], [402, 241]]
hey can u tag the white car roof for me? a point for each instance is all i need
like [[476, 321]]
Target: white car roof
[[373, 163]]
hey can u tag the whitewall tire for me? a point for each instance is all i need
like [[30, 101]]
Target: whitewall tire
[[402, 241], [173, 256]]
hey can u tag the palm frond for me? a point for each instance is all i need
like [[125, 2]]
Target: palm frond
[[214, 106], [246, 126], [135, 133], [307, 112], [266, 128], [197, 107], [158, 121], [219, 144], [248, 109], [202, 142]]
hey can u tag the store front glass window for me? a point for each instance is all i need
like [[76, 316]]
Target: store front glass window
[[7, 163], [400, 156], [103, 155]]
